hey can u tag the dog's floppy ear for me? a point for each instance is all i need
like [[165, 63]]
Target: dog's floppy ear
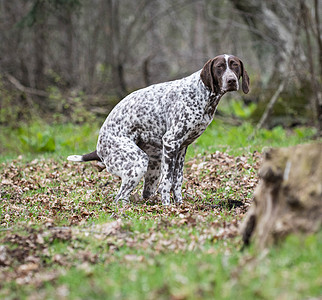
[[245, 78], [208, 77]]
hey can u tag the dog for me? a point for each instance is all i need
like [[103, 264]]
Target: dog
[[148, 132]]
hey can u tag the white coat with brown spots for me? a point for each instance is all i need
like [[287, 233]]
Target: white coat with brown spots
[[148, 132]]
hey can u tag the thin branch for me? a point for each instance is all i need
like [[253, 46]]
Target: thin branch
[[269, 107], [156, 18], [271, 104], [23, 88]]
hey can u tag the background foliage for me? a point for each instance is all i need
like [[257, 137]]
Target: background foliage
[[69, 60]]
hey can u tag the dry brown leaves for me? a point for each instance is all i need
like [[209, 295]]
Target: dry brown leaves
[[43, 201], [43, 191], [227, 177]]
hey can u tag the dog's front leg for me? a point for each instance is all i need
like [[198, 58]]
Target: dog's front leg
[[178, 175], [169, 155]]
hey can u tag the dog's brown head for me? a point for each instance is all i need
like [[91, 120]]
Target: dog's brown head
[[221, 74]]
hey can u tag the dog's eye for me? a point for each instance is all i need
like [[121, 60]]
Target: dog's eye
[[235, 65]]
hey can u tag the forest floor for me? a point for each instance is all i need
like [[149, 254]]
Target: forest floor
[[63, 237]]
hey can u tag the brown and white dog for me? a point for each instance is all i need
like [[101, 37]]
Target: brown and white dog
[[148, 132]]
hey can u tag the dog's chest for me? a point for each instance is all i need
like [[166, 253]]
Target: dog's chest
[[202, 120], [197, 128]]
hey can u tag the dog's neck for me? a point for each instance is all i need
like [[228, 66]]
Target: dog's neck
[[213, 102]]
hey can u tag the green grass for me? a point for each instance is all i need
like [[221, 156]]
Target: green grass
[[236, 140], [47, 140], [62, 237], [289, 271], [282, 273], [60, 140]]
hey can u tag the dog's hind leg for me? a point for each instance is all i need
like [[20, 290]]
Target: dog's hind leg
[[127, 161]]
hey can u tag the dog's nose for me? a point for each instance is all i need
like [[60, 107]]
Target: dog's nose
[[231, 81]]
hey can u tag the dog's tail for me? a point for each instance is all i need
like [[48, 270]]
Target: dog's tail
[[86, 157], [89, 157]]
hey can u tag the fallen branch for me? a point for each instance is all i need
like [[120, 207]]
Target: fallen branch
[[23, 88]]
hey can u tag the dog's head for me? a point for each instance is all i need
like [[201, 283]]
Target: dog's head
[[221, 74]]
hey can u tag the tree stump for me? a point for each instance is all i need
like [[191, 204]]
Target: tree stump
[[288, 198]]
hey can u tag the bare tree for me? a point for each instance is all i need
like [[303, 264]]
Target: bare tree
[[109, 47], [314, 69]]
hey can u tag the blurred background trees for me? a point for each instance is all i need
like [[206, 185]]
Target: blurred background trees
[[67, 58]]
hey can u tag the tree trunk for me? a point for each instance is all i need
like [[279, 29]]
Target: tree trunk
[[316, 100], [265, 24], [114, 55], [39, 43], [288, 198], [69, 48]]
